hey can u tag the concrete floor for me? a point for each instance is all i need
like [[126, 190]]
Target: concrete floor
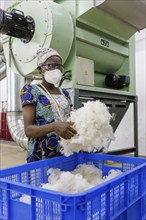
[[11, 154]]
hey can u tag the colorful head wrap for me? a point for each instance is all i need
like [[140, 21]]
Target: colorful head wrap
[[44, 53]]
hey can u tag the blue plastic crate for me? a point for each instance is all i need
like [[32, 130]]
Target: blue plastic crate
[[122, 198]]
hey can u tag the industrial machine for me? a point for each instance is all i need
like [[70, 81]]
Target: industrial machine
[[95, 39]]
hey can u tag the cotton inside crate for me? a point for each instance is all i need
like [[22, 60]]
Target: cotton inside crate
[[123, 197], [82, 178]]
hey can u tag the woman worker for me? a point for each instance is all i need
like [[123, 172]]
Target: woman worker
[[46, 109]]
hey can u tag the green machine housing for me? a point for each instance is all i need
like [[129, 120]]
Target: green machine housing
[[96, 41]]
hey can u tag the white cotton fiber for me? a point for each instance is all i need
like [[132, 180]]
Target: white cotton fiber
[[93, 129], [111, 174], [69, 183], [82, 178], [89, 172]]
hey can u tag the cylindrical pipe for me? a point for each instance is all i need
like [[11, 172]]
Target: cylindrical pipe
[[14, 118], [16, 128], [2, 72], [14, 111], [2, 63]]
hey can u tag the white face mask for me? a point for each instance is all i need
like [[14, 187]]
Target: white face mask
[[53, 76]]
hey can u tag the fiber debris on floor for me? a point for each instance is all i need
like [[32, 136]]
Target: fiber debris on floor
[[11, 154]]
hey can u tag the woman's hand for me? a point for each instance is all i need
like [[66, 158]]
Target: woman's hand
[[64, 129]]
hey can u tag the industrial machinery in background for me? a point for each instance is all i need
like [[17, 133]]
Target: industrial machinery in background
[[95, 40]]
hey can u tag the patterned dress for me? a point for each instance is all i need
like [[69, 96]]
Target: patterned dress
[[46, 146]]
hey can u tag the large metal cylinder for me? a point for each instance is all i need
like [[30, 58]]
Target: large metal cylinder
[[53, 28]]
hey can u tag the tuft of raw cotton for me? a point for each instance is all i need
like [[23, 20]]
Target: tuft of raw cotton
[[94, 132], [111, 174], [82, 178], [92, 174], [69, 183]]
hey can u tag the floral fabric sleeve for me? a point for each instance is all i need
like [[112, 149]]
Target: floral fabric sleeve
[[27, 95]]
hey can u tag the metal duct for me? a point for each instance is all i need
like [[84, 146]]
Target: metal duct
[[2, 72], [16, 128], [14, 119], [2, 63], [14, 113]]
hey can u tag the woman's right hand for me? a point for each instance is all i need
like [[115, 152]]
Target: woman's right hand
[[64, 129]]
